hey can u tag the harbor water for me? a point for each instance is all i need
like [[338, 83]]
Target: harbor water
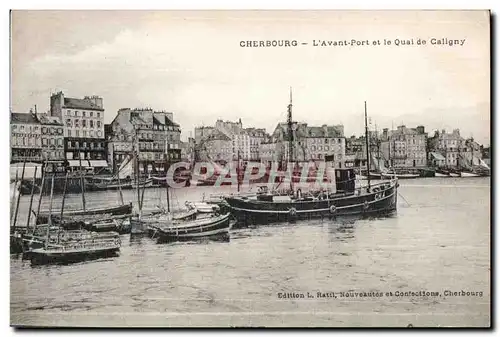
[[430, 262]]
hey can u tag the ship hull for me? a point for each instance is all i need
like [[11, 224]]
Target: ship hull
[[41, 256], [377, 203], [117, 210], [469, 175], [211, 228]]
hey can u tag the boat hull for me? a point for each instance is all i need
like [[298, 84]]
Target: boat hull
[[41, 256], [117, 210], [212, 228], [469, 175], [376, 203]]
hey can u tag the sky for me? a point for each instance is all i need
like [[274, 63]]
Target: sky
[[191, 63]]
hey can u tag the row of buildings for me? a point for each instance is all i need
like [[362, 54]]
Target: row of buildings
[[73, 134], [403, 147]]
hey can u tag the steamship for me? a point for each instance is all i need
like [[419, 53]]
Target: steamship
[[342, 199]]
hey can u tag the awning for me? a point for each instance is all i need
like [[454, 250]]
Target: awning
[[78, 163], [437, 156], [98, 163]]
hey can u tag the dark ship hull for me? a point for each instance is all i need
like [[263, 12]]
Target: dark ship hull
[[379, 201], [116, 210]]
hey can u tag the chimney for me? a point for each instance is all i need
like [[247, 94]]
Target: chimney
[[325, 130], [96, 100], [421, 129]]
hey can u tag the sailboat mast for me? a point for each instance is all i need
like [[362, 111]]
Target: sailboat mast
[[136, 156], [367, 149], [290, 134], [238, 171], [31, 200], [120, 188], [40, 196], [62, 206], [82, 181], [18, 196], [13, 199], [50, 212], [168, 198]]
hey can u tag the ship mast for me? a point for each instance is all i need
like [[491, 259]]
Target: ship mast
[[367, 149], [290, 135]]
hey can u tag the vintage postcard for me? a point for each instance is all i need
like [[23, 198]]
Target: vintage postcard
[[250, 169]]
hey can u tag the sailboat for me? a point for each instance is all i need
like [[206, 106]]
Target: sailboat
[[344, 199], [123, 209], [69, 246]]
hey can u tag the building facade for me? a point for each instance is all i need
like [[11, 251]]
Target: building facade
[[83, 122], [310, 143], [326, 141], [455, 150], [25, 138], [216, 147], [52, 138], [404, 147], [138, 131], [245, 142]]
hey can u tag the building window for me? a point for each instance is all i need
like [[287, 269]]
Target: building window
[[68, 113], [91, 124], [98, 115], [78, 133], [84, 123], [76, 113], [84, 133], [83, 114], [44, 141], [98, 123], [91, 133], [69, 133]]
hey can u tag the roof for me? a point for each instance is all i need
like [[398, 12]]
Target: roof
[[78, 103], [23, 118], [324, 131], [156, 121], [217, 135], [169, 122], [136, 118], [50, 120]]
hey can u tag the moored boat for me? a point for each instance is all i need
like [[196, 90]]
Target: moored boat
[[346, 200], [114, 210], [216, 227], [76, 251], [465, 174]]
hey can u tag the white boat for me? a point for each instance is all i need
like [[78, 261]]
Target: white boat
[[213, 227], [441, 175], [454, 174], [202, 207], [469, 174]]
